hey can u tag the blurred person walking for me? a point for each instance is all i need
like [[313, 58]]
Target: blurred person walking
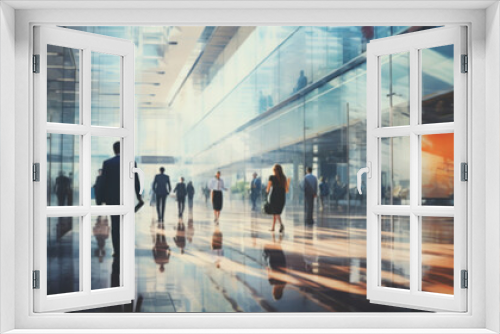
[[190, 195], [111, 193], [324, 193], [255, 188], [138, 191], [301, 82], [62, 189], [277, 187], [339, 191], [161, 187], [206, 193], [310, 184], [217, 186], [181, 192]]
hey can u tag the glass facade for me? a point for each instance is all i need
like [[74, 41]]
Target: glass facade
[[239, 101]]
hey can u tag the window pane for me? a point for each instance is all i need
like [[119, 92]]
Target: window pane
[[437, 169], [63, 85], [395, 171], [395, 89], [437, 254], [395, 251], [106, 89], [105, 171], [63, 255], [294, 65], [63, 170], [105, 248], [437, 84]]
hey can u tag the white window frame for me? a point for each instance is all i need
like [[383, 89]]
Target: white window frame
[[86, 43], [413, 44], [483, 314]]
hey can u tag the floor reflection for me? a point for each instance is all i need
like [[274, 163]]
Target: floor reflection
[[238, 265]]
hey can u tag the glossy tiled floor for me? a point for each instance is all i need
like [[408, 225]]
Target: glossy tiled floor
[[238, 265]]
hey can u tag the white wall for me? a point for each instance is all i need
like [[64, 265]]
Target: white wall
[[7, 171], [492, 163]]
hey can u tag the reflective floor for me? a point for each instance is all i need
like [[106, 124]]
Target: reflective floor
[[238, 265]]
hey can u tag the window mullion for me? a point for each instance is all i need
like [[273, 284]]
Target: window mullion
[[414, 172], [85, 163]]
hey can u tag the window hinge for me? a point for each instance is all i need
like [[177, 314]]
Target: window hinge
[[36, 279], [36, 63], [465, 279], [465, 64], [464, 171], [36, 172]]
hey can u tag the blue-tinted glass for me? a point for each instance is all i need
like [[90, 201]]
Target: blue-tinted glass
[[395, 251], [63, 170], [294, 70], [105, 260], [63, 255], [437, 84], [395, 89], [106, 89], [105, 171], [63, 85], [395, 171]]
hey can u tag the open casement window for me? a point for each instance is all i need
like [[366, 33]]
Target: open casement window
[[82, 109], [416, 144]]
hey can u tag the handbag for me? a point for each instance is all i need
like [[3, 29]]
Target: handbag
[[266, 206]]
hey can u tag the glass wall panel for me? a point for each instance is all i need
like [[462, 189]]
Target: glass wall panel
[[106, 89], [105, 252], [395, 251], [294, 66], [395, 89], [395, 171], [437, 254], [437, 84], [105, 171], [267, 85], [354, 97], [63, 170], [63, 255], [63, 85]]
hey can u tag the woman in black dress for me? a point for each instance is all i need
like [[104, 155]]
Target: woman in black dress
[[279, 185]]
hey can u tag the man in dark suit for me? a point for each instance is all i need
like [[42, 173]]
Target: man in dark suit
[[161, 187], [255, 189], [310, 185], [62, 189], [110, 181]]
